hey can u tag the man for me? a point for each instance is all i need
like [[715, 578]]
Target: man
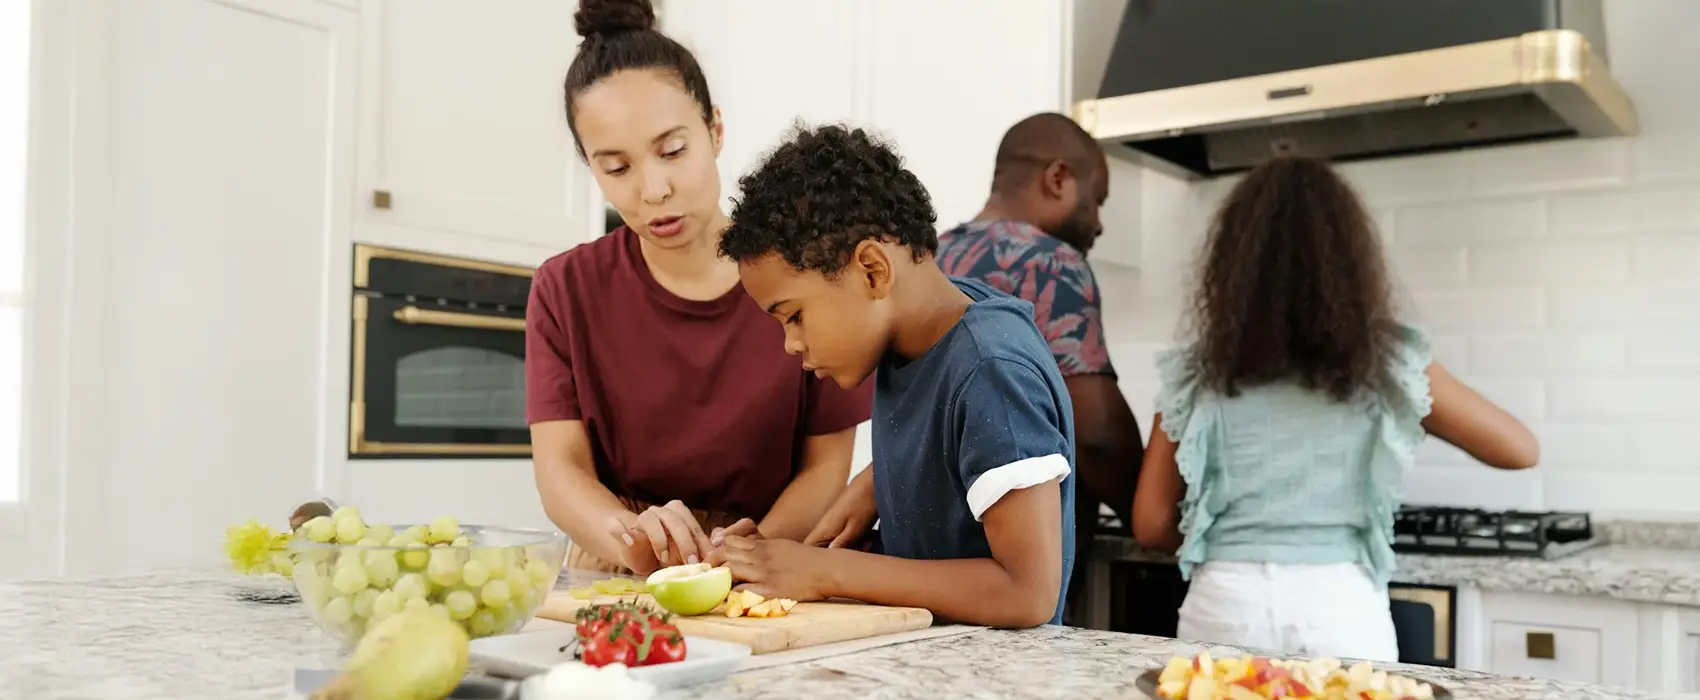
[[1031, 241]]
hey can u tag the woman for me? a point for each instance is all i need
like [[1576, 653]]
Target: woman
[[661, 403], [1283, 431]]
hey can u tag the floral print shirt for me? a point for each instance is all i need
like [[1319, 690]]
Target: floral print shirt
[[1020, 260]]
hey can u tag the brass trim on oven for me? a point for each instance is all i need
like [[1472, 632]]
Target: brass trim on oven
[[357, 442], [413, 315], [1441, 602], [364, 254]]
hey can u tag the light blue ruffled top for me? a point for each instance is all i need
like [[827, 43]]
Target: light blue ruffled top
[[1286, 475]]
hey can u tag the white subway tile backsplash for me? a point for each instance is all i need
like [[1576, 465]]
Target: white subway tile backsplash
[[1470, 222], [1621, 211], [1667, 257], [1451, 351], [1423, 268], [1582, 446], [1656, 157], [1544, 354], [1549, 166], [1671, 348], [1408, 180], [1663, 446], [1520, 308], [1476, 486], [1624, 398], [1557, 262]]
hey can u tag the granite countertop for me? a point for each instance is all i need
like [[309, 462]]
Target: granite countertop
[[188, 635], [1634, 561]]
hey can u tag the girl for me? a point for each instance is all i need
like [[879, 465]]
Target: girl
[[661, 402], [1284, 429]]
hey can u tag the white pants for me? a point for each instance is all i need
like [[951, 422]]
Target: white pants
[[1316, 611]]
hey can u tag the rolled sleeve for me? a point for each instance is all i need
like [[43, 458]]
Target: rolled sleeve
[[1011, 433]]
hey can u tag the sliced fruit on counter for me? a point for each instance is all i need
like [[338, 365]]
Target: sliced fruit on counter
[[750, 604], [690, 589], [1256, 678]]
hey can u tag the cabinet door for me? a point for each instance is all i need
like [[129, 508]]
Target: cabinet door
[[770, 63], [463, 127], [1688, 650], [948, 77], [1570, 638]]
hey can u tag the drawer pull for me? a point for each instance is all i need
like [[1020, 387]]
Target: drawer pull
[[380, 199], [1540, 645]]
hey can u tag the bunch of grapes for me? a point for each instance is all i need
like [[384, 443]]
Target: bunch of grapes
[[488, 589]]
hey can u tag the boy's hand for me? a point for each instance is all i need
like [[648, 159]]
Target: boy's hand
[[847, 522], [778, 568]]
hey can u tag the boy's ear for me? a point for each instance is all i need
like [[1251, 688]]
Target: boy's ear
[[873, 266]]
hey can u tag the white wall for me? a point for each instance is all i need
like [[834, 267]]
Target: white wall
[[1562, 280]]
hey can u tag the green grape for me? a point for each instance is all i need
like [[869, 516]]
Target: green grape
[[416, 556], [363, 601], [444, 568], [490, 557], [525, 597], [416, 604], [444, 529], [496, 593], [381, 568], [461, 604], [370, 541], [350, 530], [350, 579], [386, 604], [541, 574], [443, 610], [462, 541], [482, 624], [475, 573], [411, 586], [382, 532], [398, 541], [337, 611], [284, 562], [319, 529], [347, 512], [418, 533]]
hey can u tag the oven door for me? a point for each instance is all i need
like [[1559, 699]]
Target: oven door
[[436, 380], [1425, 621]]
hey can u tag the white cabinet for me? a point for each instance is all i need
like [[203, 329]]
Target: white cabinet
[[1688, 651], [463, 127], [942, 79], [1573, 638], [770, 63], [948, 77]]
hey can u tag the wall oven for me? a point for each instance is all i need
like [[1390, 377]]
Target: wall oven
[[437, 357]]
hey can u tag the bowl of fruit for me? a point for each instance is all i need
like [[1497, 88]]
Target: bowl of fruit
[[490, 580]]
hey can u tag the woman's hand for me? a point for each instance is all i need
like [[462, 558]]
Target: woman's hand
[[852, 515], [660, 536], [778, 568]]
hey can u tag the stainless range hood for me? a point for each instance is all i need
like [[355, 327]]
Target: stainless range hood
[[1201, 88]]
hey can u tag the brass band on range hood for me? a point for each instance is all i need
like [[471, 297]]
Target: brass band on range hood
[[1558, 65], [357, 442]]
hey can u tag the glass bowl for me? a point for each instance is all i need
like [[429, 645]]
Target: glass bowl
[[491, 584]]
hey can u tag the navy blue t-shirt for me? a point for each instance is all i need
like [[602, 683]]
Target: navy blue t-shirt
[[982, 413]]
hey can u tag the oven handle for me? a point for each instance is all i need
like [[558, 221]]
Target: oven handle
[[414, 315]]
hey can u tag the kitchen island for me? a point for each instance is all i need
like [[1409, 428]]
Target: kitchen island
[[188, 635]]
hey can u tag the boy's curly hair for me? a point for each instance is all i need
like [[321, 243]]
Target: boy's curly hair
[[823, 191], [1293, 285]]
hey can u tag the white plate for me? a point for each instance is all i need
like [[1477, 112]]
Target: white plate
[[527, 653]]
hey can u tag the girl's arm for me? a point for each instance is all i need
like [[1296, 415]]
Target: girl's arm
[[820, 478], [1472, 423], [1157, 502]]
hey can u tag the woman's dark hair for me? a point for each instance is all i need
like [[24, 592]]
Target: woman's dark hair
[[620, 35], [1293, 285]]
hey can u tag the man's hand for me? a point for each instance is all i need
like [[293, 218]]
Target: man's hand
[[660, 536], [779, 568], [852, 515]]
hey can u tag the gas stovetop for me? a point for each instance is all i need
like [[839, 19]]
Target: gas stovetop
[[1464, 531]]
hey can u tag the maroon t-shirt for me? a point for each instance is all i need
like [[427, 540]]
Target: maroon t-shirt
[[682, 399]]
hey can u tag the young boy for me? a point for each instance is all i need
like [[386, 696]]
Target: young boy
[[973, 429]]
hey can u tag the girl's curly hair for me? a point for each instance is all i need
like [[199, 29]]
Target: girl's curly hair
[[1293, 285]]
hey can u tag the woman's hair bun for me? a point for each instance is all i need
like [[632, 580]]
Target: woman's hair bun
[[603, 17]]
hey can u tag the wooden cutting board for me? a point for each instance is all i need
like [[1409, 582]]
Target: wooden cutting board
[[808, 624]]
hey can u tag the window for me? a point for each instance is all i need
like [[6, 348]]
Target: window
[[14, 136]]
